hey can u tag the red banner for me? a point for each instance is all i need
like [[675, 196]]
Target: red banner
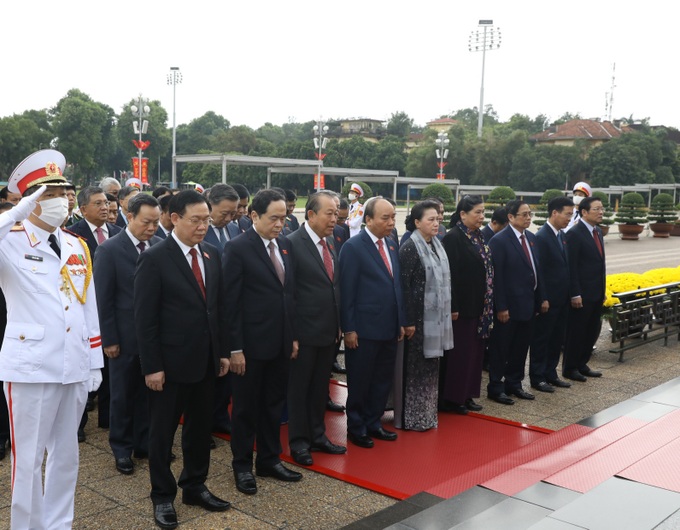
[[145, 169], [441, 165], [141, 145], [320, 157], [441, 176], [316, 182]]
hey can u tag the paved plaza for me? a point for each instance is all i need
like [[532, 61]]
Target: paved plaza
[[105, 499]]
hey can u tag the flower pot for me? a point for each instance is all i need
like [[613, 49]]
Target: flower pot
[[605, 230], [661, 229], [675, 231], [630, 232]]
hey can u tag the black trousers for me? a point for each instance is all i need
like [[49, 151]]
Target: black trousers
[[508, 354], [194, 400], [258, 397], [129, 408], [583, 331], [307, 395], [549, 336]]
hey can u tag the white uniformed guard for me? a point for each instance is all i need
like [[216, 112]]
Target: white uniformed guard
[[581, 191], [355, 215], [134, 182], [51, 355]]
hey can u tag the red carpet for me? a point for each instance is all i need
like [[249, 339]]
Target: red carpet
[[420, 461]]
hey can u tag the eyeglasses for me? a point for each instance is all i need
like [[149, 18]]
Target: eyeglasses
[[597, 209], [525, 214], [196, 222], [99, 204]]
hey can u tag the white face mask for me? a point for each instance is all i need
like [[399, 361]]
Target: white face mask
[[54, 211], [352, 196], [577, 199]]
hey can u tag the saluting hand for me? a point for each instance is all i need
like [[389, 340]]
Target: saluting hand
[[26, 205]]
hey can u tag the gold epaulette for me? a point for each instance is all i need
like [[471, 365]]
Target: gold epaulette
[[17, 228], [73, 234]]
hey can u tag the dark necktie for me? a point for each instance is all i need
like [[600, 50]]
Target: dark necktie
[[560, 241], [221, 236], [525, 248], [196, 269], [141, 246], [54, 245], [381, 249], [598, 244], [277, 264], [327, 260]]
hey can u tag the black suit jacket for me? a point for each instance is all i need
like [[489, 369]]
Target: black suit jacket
[[114, 275], [178, 330], [487, 233], [587, 270], [513, 281], [317, 297], [120, 220], [260, 310], [82, 229], [468, 274], [554, 265]]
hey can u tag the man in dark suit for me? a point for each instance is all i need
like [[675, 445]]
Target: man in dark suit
[[518, 297], [551, 326], [124, 195], [115, 261], [292, 224], [259, 286], [241, 220], [372, 317], [223, 201], [340, 235], [317, 286], [165, 226], [588, 276], [180, 323], [94, 207], [499, 220]]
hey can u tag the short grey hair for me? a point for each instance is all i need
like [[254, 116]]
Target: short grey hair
[[86, 194], [107, 183], [127, 190], [222, 192]]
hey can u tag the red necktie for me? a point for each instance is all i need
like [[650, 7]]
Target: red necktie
[[598, 244], [327, 260], [196, 269], [526, 249], [277, 264], [100, 235], [381, 249]]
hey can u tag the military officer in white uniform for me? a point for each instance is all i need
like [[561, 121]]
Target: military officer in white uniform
[[355, 217], [51, 355], [580, 192]]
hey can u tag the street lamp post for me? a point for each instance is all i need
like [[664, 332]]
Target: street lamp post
[[174, 78], [442, 143], [320, 144], [140, 126], [480, 41]]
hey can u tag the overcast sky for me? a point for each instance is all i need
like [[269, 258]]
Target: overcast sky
[[276, 61]]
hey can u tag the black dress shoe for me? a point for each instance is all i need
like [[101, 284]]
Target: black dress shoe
[[590, 373], [329, 448], [165, 516], [502, 398], [522, 394], [456, 408], [302, 457], [332, 406], [383, 434], [471, 405], [338, 369], [89, 406], [559, 383], [575, 375], [3, 445], [213, 445], [81, 436], [279, 472], [124, 465], [362, 440], [543, 387], [245, 482], [205, 500]]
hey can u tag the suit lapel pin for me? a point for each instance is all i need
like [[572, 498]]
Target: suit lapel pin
[[205, 255], [284, 251], [391, 248]]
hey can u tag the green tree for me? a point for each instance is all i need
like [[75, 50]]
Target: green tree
[[633, 158], [21, 135], [83, 130], [198, 135], [399, 124]]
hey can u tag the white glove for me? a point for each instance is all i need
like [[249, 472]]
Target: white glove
[[95, 380], [26, 205]]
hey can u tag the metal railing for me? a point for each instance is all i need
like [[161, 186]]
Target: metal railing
[[645, 315]]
